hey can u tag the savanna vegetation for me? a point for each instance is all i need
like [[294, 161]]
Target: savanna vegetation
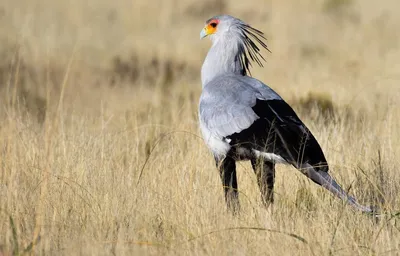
[[100, 151]]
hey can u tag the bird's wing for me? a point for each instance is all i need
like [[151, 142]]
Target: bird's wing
[[226, 104], [280, 131], [250, 114]]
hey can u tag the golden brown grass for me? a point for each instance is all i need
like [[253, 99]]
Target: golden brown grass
[[99, 144]]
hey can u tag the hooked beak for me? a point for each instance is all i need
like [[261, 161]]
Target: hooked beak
[[203, 33]]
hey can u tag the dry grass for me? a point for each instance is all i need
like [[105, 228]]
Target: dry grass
[[95, 94]]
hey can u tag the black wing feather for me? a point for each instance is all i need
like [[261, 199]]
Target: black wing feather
[[280, 131]]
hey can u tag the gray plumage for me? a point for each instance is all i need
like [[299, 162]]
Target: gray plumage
[[233, 112], [243, 119]]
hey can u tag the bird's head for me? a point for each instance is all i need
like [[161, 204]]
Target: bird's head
[[218, 25], [235, 30]]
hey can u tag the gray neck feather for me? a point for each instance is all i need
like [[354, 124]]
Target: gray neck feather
[[223, 58]]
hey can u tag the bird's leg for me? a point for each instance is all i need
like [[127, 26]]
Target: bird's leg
[[227, 170], [265, 172]]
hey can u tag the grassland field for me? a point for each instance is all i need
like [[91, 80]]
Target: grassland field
[[100, 149]]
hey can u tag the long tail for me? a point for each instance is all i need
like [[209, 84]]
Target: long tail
[[325, 180]]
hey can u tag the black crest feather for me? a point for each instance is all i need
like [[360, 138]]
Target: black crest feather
[[250, 52]]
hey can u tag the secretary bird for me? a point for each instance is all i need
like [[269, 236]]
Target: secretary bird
[[243, 119]]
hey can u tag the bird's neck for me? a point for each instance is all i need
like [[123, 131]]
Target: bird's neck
[[222, 58]]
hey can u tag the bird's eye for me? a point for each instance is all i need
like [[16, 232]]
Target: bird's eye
[[213, 24]]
